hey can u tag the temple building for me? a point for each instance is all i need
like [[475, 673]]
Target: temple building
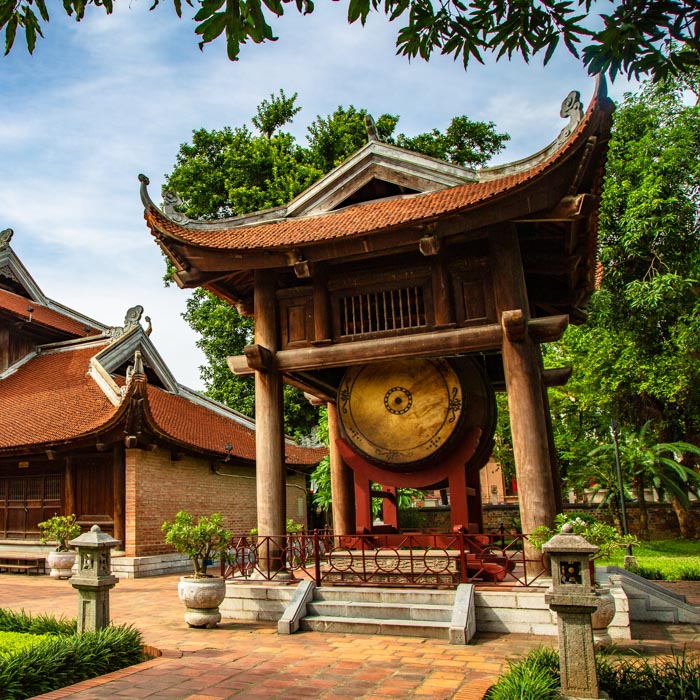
[[94, 423], [404, 291]]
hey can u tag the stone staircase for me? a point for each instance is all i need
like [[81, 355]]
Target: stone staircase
[[438, 614]]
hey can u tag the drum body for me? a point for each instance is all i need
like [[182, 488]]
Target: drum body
[[404, 415]]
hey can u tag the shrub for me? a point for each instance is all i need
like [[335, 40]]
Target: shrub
[[689, 573], [62, 661], [20, 621], [649, 572], [59, 528], [536, 677], [411, 519], [12, 642]]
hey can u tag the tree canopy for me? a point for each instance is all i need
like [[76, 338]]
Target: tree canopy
[[636, 359], [234, 171], [635, 37]]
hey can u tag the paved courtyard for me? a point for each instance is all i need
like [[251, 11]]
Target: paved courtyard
[[249, 660]]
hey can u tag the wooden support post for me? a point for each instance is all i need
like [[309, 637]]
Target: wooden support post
[[363, 504], [69, 503], [119, 484], [522, 366], [269, 429], [390, 508], [342, 488]]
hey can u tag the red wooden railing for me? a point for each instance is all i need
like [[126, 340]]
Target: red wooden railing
[[429, 560]]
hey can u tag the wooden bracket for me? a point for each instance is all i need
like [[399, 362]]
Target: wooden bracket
[[259, 358], [429, 245], [514, 325], [556, 376]]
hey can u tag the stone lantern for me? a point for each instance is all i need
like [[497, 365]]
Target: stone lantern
[[94, 578], [574, 599]]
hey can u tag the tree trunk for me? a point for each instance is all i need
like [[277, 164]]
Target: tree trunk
[[684, 521], [643, 533]]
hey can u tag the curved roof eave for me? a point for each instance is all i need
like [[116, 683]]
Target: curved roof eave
[[179, 236]]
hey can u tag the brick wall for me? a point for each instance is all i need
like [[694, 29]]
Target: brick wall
[[157, 488], [662, 520]]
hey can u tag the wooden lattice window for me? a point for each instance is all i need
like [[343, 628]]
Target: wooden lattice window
[[382, 311]]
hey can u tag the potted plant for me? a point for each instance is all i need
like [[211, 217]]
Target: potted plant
[[200, 541], [60, 529], [607, 539]]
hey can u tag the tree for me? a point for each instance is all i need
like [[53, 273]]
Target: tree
[[636, 37], [636, 359], [648, 462], [234, 171]]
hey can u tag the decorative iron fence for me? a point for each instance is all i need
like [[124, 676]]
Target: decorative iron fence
[[429, 560]]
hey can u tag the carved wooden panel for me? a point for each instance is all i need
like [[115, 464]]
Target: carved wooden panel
[[473, 292], [296, 317]]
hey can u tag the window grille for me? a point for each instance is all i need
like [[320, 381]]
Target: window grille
[[377, 312], [52, 488]]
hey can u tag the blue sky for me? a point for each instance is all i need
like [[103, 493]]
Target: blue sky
[[102, 101]]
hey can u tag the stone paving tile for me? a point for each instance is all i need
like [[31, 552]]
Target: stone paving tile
[[249, 660]]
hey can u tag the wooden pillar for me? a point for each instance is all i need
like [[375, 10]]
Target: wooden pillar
[[390, 507], [269, 418], [119, 488], [363, 504], [69, 503], [553, 457], [522, 366], [342, 485]]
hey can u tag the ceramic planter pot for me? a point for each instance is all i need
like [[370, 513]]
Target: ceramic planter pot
[[602, 617], [202, 597], [61, 564]]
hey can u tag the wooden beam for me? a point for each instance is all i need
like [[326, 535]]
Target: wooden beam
[[569, 208], [473, 339], [548, 329], [556, 376], [258, 357]]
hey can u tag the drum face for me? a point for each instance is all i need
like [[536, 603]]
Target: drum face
[[405, 413]]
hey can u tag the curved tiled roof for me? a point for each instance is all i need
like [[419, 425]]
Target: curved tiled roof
[[42, 315], [192, 424], [370, 217], [51, 399]]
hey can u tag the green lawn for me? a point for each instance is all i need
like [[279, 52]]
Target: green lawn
[[667, 559]]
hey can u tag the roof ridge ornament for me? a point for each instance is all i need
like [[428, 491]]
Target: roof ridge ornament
[[5, 238], [172, 205], [131, 320], [571, 109], [372, 131]]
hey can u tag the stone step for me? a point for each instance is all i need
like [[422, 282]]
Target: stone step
[[413, 596], [359, 625], [368, 610]]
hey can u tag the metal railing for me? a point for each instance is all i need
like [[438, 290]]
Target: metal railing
[[444, 560]]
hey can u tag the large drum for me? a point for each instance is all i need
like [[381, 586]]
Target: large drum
[[404, 414]]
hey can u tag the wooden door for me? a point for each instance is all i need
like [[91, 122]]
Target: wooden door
[[94, 490], [27, 500]]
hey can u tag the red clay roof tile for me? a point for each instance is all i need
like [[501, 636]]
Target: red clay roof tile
[[42, 315]]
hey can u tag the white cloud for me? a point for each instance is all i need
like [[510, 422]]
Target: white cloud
[[102, 101]]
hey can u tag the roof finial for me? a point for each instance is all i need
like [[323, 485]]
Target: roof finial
[[131, 320], [171, 207], [371, 126], [138, 363], [571, 109], [5, 238]]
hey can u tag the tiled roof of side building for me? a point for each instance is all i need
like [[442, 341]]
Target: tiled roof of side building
[[42, 315], [193, 424], [50, 399]]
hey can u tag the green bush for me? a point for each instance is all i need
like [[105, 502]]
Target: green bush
[[20, 621], [411, 519], [12, 642], [536, 677], [62, 661]]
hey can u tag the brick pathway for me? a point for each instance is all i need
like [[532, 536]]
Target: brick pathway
[[249, 660]]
